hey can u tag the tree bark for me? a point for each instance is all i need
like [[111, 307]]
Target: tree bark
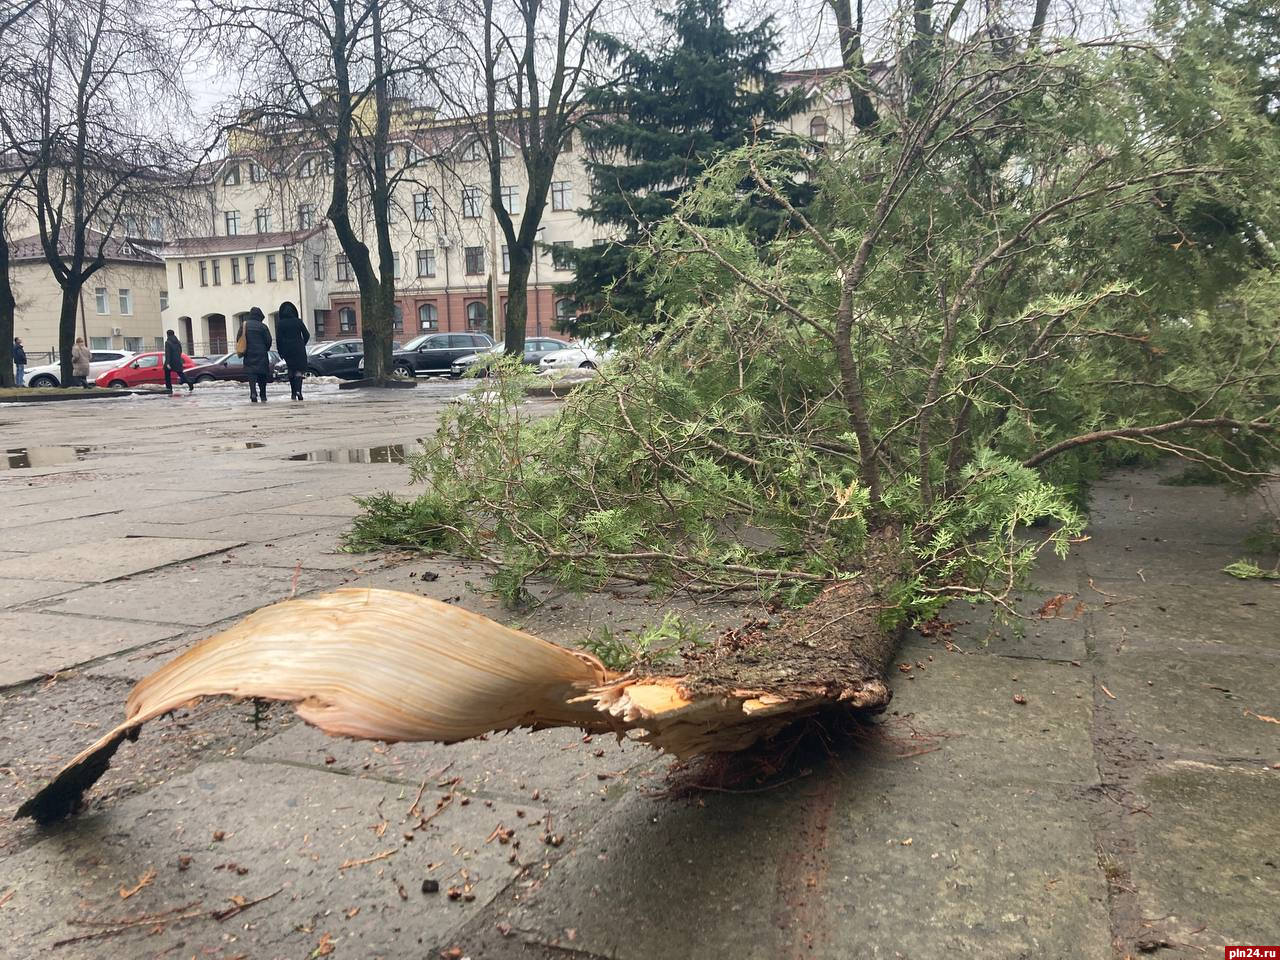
[[8, 306]]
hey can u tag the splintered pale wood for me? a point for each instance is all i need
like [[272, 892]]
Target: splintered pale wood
[[391, 666]]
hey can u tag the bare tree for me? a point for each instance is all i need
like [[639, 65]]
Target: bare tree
[[95, 88], [532, 60], [339, 76]]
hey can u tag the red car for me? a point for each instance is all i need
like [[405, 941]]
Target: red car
[[144, 368]]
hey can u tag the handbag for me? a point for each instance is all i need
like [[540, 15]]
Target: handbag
[[241, 341]]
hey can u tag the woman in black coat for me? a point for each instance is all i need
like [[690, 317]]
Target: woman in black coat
[[291, 341], [257, 354]]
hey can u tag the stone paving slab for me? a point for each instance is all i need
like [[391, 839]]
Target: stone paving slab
[[38, 537], [244, 527], [316, 550], [1207, 857], [560, 766], [14, 592], [1243, 615], [36, 644], [196, 597], [1195, 704], [66, 508], [1052, 637], [849, 862], [290, 830], [106, 560], [320, 507], [963, 706]]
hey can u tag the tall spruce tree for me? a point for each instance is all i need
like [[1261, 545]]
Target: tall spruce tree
[[671, 111]]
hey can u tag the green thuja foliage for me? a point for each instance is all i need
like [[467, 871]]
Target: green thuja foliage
[[1047, 260]]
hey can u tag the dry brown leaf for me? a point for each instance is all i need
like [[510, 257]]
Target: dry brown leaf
[[143, 881], [325, 947]]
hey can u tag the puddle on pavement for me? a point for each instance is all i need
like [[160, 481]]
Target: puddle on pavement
[[388, 453], [247, 445], [25, 458]]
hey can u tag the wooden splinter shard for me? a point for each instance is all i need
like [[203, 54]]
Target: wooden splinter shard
[[391, 666]]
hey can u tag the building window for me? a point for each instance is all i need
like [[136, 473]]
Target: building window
[[257, 172], [565, 309], [342, 268], [475, 151], [271, 268], [131, 227], [428, 317], [232, 177], [306, 216], [99, 343], [471, 203], [506, 259], [510, 200], [262, 219], [181, 285], [232, 220], [818, 128], [101, 301], [423, 208], [204, 273], [397, 318], [427, 263], [288, 266], [475, 260], [477, 316], [416, 156], [155, 228], [317, 268], [235, 269], [561, 194], [599, 242], [347, 320], [308, 168], [320, 318], [134, 345], [248, 270], [395, 265], [217, 273], [391, 158], [561, 259], [126, 302], [164, 300]]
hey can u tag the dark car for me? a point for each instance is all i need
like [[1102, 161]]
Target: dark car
[[534, 348], [336, 358], [434, 353], [227, 367]]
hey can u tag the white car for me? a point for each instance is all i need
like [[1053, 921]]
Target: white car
[[103, 360], [586, 355]]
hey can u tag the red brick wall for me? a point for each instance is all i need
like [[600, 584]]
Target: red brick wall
[[451, 312]]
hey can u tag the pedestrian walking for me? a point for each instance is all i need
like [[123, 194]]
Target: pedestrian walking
[[81, 357], [19, 362], [173, 363], [257, 354], [292, 336]]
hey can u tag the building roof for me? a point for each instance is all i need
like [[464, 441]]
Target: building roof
[[249, 242], [117, 249]]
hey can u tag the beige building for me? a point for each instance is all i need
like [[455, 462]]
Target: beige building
[[120, 307], [451, 260]]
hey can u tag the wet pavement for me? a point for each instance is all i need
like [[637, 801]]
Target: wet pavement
[[1124, 804]]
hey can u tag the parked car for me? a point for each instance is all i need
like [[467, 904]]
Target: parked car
[[535, 348], [336, 358], [228, 367], [144, 368], [103, 360], [434, 353], [587, 354]]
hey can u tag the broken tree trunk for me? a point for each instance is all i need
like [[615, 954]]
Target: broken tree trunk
[[391, 666]]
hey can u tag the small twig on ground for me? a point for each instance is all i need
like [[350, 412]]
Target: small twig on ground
[[347, 865]]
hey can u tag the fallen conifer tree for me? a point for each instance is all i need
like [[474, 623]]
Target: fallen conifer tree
[[1039, 256]]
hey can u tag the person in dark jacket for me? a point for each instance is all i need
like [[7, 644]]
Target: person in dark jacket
[[20, 362], [257, 354], [173, 363], [292, 336]]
